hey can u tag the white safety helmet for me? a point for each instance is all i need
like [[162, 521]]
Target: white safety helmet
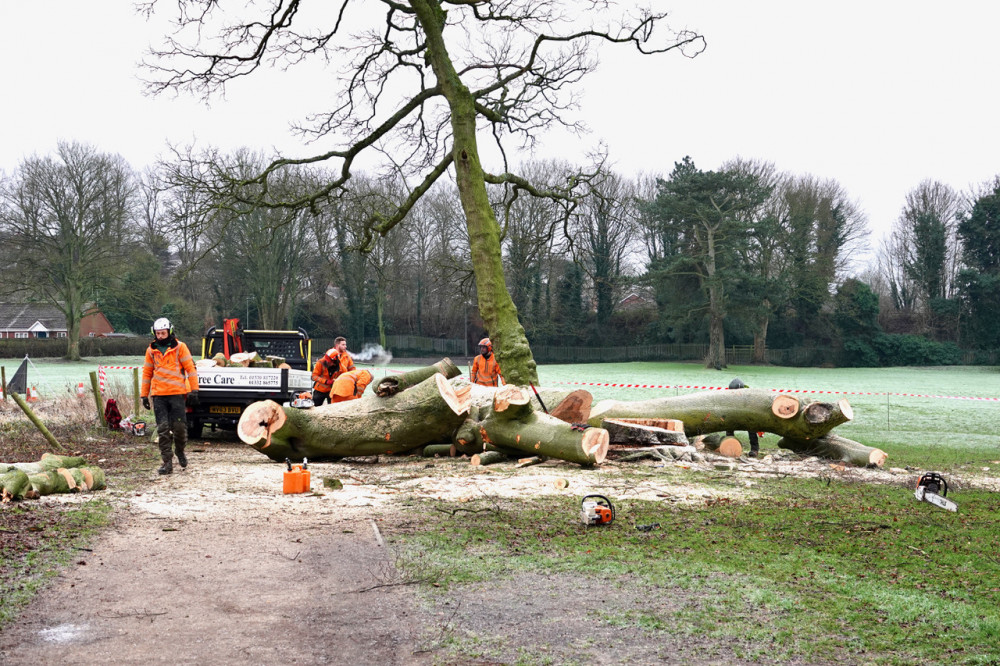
[[162, 324]]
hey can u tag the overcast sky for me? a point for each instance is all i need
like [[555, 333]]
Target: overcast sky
[[877, 95]]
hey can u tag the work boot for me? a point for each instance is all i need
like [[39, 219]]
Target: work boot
[[182, 459], [753, 453], [166, 468]]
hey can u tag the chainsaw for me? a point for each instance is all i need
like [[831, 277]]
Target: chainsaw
[[932, 488], [596, 510], [303, 400]]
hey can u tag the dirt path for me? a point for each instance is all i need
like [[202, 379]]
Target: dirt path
[[213, 566]]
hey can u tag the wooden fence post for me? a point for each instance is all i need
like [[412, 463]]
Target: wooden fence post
[[135, 391], [97, 398]]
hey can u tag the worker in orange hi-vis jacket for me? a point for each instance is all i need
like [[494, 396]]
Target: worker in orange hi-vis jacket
[[336, 361], [350, 385], [485, 371], [169, 377]]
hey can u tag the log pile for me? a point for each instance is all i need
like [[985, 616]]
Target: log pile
[[51, 474], [422, 412]]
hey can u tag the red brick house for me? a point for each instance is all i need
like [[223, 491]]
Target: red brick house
[[39, 320]]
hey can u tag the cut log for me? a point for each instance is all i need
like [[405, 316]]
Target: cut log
[[836, 447], [487, 458], [635, 434], [513, 424], [721, 411], [13, 484], [427, 413], [731, 447], [438, 451], [392, 384], [574, 408]]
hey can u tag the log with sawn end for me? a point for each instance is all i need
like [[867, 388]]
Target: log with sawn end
[[427, 413], [720, 411]]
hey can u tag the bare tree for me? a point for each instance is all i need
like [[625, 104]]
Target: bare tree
[[470, 68], [605, 229], [68, 227]]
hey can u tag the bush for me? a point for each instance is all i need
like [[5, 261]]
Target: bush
[[858, 354], [896, 349]]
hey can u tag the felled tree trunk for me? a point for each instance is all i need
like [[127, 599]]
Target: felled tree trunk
[[393, 384], [429, 412], [512, 425], [638, 434], [747, 409], [836, 447]]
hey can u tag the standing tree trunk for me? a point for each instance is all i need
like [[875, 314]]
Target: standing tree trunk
[[760, 337], [495, 304]]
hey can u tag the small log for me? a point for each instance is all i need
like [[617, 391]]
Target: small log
[[528, 462], [390, 385], [731, 447], [487, 458], [438, 450], [835, 447], [574, 408], [635, 434]]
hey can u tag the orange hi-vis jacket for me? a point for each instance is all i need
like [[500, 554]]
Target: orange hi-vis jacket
[[350, 385], [168, 373], [485, 371], [324, 375]]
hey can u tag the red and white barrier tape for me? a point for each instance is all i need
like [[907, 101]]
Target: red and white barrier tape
[[102, 372], [778, 390]]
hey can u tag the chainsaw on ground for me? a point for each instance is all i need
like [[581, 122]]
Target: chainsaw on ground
[[596, 510], [932, 488]]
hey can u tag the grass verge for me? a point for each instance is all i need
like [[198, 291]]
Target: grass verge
[[810, 570]]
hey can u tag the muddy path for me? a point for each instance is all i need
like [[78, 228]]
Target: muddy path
[[211, 565]]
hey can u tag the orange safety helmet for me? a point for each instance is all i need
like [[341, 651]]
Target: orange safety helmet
[[485, 342]]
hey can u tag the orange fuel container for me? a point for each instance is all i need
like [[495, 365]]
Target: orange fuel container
[[306, 480], [295, 481]]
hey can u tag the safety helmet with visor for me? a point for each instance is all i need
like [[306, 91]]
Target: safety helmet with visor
[[485, 347]]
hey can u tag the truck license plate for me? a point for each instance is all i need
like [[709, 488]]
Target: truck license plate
[[225, 409]]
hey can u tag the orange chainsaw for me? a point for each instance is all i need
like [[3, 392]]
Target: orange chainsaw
[[596, 510]]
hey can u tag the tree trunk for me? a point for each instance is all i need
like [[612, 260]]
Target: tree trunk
[[635, 434], [747, 409], [760, 339], [836, 447], [496, 308], [430, 412], [393, 384], [513, 425]]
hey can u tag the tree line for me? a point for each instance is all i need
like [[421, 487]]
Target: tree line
[[745, 254]]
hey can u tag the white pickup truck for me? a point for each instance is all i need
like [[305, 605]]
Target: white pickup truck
[[224, 392]]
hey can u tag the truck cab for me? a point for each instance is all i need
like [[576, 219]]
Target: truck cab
[[224, 392]]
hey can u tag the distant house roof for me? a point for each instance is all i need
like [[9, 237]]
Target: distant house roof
[[31, 317]]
